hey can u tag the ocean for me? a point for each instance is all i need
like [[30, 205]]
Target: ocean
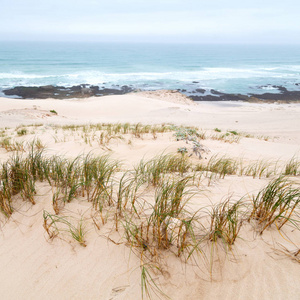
[[226, 68]]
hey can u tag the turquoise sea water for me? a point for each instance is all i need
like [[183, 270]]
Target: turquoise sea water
[[226, 68]]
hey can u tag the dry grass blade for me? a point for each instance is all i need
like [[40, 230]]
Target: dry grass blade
[[54, 224]]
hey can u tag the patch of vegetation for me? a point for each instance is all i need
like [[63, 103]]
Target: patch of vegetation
[[233, 132], [275, 203], [292, 167], [260, 168], [54, 225], [12, 146], [154, 170], [182, 150], [225, 222], [219, 165], [147, 207], [22, 131]]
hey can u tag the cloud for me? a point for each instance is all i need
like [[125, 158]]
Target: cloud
[[196, 19]]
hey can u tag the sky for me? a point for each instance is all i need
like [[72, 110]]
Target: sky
[[209, 21]]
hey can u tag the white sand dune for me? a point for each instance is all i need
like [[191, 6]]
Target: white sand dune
[[266, 119], [35, 267]]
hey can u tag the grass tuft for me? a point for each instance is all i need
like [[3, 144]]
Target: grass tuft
[[22, 131], [219, 165], [275, 203], [292, 167], [54, 224], [225, 222]]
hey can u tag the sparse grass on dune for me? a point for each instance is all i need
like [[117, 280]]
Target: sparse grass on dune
[[153, 170], [64, 177], [22, 131], [292, 167], [129, 189], [225, 222], [170, 201], [83, 175], [11, 146], [54, 225], [16, 179], [228, 137], [103, 134], [260, 168], [137, 129], [166, 223], [68, 178], [275, 203], [20, 146], [103, 172], [219, 165], [147, 207]]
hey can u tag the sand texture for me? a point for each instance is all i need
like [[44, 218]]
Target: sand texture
[[257, 140]]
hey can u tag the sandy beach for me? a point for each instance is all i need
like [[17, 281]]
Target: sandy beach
[[115, 246]]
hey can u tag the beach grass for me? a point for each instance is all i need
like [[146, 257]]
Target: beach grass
[[54, 225], [275, 203], [225, 222], [149, 204]]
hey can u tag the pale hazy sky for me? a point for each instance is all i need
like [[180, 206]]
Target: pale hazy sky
[[242, 21]]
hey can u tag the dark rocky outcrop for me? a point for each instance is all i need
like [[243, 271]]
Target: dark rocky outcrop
[[202, 91], [60, 92], [199, 94], [220, 97], [283, 95]]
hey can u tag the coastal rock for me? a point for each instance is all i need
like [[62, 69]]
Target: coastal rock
[[220, 97], [85, 90], [205, 98], [202, 91], [284, 95], [60, 92], [281, 88], [214, 92]]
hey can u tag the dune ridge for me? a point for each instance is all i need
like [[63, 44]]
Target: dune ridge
[[243, 147]]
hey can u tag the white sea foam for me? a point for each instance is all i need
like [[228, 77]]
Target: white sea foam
[[229, 79], [98, 77], [213, 70], [269, 87]]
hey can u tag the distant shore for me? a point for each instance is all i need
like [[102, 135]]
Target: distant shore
[[282, 95]]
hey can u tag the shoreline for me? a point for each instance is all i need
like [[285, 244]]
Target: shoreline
[[198, 95]]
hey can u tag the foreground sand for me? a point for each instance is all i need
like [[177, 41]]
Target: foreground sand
[[34, 266]]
